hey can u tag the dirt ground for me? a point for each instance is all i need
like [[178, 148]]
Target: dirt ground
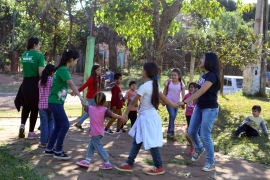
[[117, 146]]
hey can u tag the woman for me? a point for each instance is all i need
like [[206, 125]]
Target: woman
[[28, 95], [206, 111]]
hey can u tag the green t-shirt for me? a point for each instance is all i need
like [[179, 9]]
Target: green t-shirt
[[31, 61], [59, 87]]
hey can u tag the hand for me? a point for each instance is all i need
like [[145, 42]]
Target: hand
[[125, 118], [248, 123], [163, 104], [72, 93]]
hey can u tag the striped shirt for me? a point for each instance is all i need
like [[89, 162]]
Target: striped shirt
[[44, 93]]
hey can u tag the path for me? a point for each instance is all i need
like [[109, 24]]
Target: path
[[118, 147]]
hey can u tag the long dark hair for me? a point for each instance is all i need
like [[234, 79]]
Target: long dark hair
[[31, 42], [176, 70], [211, 64], [49, 69], [94, 74], [151, 70], [67, 56]]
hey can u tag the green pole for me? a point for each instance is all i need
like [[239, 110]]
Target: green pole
[[89, 61]]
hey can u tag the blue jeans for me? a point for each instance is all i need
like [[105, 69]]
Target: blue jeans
[[172, 116], [85, 116], [61, 126], [203, 120], [135, 150], [95, 144], [46, 125]]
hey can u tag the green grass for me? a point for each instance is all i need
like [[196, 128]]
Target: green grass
[[14, 167]]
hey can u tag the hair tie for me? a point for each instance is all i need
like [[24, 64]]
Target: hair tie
[[155, 78], [67, 50]]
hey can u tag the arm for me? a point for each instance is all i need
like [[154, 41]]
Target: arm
[[183, 92], [198, 93], [246, 121], [264, 128], [167, 101], [74, 89], [165, 90], [131, 105], [116, 116], [40, 69], [89, 81]]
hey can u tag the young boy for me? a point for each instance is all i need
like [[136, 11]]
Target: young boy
[[116, 105], [130, 95], [252, 124]]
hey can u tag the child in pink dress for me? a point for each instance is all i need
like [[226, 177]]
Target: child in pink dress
[[97, 118]]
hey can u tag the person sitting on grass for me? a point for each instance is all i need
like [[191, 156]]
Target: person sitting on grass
[[252, 124]]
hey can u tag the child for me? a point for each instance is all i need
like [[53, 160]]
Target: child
[[172, 91], [148, 127], [93, 86], [130, 95], [109, 77], [46, 116], [58, 94], [252, 124], [189, 110], [116, 105], [97, 118]]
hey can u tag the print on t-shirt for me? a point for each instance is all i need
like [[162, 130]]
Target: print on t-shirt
[[28, 58], [201, 81], [120, 96], [62, 94]]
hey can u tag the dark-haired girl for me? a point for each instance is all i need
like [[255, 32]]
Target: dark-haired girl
[[173, 88], [206, 111], [93, 86], [27, 97], [147, 128], [58, 94], [46, 116]]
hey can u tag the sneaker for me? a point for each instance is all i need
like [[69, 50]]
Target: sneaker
[[155, 171], [196, 155], [108, 131], [168, 133], [105, 166], [78, 126], [191, 151], [42, 145], [21, 131], [208, 167], [119, 132], [124, 167], [31, 135], [243, 135], [61, 156], [83, 163], [49, 153]]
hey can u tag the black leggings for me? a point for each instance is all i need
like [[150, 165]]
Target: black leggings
[[33, 116], [132, 115]]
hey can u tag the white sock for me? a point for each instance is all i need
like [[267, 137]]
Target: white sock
[[88, 159], [108, 162]]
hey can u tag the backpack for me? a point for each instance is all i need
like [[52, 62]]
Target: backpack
[[169, 81]]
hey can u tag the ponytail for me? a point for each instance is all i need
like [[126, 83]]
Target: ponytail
[[155, 94], [49, 69], [67, 56]]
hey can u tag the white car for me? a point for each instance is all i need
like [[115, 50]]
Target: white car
[[232, 84]]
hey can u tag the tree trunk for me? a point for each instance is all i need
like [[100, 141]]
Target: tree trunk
[[70, 23], [264, 51], [191, 69], [112, 56], [221, 80]]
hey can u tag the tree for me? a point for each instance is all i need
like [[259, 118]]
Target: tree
[[150, 22], [230, 37]]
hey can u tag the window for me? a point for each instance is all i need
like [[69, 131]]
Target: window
[[239, 83], [227, 82]]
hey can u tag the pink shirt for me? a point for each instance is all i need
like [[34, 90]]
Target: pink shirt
[[97, 115], [130, 95], [174, 91], [190, 105], [44, 93]]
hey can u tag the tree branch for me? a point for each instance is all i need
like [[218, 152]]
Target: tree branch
[[164, 4]]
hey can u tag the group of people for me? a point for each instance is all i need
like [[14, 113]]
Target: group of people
[[45, 91]]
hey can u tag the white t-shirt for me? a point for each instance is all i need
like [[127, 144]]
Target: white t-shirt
[[145, 91], [174, 91]]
